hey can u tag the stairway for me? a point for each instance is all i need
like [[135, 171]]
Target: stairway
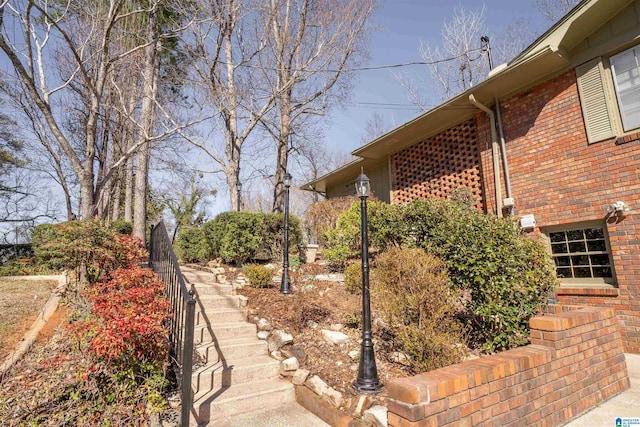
[[234, 373]]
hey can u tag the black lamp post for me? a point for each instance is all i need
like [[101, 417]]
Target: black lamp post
[[367, 381], [239, 190], [284, 286]]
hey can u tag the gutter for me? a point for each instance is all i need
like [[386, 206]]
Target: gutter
[[494, 154]]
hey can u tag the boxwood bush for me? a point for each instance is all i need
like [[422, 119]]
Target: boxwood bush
[[239, 237], [191, 245]]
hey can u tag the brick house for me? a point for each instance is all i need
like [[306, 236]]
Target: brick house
[[554, 137]]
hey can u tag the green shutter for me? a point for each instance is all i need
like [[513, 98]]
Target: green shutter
[[595, 102]]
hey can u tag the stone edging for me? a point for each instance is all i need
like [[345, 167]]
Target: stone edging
[[45, 315]]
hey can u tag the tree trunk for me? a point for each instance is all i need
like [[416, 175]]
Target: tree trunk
[[283, 152], [147, 115]]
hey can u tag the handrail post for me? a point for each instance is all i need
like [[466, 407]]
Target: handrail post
[[151, 248], [187, 358]]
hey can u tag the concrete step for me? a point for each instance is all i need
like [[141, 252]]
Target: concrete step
[[213, 315], [223, 331], [240, 371], [213, 407], [231, 350], [213, 289], [232, 301]]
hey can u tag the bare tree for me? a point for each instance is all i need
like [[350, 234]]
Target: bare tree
[[310, 44], [458, 63], [374, 127], [553, 10], [225, 46]]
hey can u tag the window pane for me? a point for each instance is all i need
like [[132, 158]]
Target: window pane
[[602, 272], [581, 253], [582, 272], [564, 273], [599, 259], [577, 247], [623, 61], [559, 248], [580, 260], [596, 246], [575, 235], [627, 78], [594, 233]]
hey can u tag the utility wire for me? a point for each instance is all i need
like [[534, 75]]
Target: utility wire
[[370, 68]]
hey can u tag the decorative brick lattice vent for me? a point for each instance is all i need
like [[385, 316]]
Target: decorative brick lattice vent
[[437, 165]]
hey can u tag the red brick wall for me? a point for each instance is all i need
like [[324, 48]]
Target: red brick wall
[[561, 178], [437, 165], [575, 362]]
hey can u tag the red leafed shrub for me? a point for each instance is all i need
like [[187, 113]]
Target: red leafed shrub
[[128, 250], [129, 314]]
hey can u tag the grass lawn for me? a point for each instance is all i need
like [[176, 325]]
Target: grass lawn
[[20, 303]]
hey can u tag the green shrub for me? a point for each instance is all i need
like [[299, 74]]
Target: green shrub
[[121, 226], [271, 245], [410, 293], [259, 276], [343, 241], [234, 236], [353, 278], [88, 247], [191, 245], [45, 255], [386, 228], [506, 275]]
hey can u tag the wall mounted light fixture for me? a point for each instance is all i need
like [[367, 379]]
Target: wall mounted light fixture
[[618, 208]]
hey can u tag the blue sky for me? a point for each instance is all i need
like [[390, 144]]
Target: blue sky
[[402, 24]]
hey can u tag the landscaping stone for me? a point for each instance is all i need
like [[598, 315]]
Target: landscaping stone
[[333, 396], [354, 355], [300, 376], [264, 325], [263, 335], [290, 364], [277, 355], [316, 385], [278, 338], [295, 351], [335, 337], [377, 415], [333, 277], [243, 300], [400, 358], [358, 405]]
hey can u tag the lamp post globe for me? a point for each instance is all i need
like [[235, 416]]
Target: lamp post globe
[[367, 380], [284, 285]]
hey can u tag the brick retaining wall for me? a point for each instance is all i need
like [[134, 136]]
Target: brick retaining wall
[[574, 362]]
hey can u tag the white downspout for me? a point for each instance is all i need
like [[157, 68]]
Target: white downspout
[[495, 153]]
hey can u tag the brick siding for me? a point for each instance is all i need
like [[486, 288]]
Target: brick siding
[[575, 361], [561, 179]]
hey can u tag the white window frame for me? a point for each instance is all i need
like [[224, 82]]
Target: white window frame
[[608, 282], [617, 89]]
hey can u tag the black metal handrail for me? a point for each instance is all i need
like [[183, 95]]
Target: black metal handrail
[[163, 261]]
